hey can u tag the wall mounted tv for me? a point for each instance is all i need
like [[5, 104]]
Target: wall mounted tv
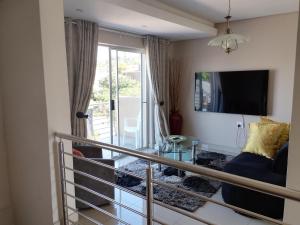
[[238, 92]]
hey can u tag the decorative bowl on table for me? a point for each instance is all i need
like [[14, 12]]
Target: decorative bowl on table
[[174, 141], [176, 138]]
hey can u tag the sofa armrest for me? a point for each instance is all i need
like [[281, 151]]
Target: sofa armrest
[[267, 176]]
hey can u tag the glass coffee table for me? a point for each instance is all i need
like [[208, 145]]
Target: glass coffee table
[[189, 150], [180, 148]]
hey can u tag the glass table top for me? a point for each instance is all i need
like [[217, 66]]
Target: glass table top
[[183, 151], [178, 147]]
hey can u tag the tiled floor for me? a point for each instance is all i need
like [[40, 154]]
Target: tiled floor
[[211, 212]]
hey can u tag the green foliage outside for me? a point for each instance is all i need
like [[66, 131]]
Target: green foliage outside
[[205, 76], [127, 87], [128, 84], [128, 69]]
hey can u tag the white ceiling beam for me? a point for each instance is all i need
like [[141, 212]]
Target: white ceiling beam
[[164, 12], [177, 11]]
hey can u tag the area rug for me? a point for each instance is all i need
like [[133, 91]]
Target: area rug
[[198, 184]]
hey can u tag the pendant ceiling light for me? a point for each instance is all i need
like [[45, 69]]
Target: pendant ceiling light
[[228, 41]]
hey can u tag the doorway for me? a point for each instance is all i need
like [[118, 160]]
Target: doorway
[[118, 106]]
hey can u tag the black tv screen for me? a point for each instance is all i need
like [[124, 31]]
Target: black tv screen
[[239, 92]]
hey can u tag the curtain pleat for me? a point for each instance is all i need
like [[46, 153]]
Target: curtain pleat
[[157, 69], [81, 48]]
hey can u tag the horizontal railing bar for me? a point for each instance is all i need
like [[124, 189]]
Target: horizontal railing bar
[[252, 184], [109, 199], [104, 165], [97, 208], [241, 210], [72, 222], [183, 212], [112, 200], [106, 198], [85, 216], [158, 221], [187, 192], [105, 182]]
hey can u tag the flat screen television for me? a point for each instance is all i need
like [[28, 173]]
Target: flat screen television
[[238, 92]]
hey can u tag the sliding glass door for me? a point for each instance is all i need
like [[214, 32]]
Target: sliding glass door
[[118, 106]]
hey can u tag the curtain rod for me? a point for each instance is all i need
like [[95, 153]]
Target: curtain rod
[[117, 31], [122, 32]]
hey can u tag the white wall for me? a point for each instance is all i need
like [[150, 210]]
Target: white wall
[[35, 100], [6, 217], [25, 111], [56, 88], [272, 46]]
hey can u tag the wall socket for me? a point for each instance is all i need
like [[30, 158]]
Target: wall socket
[[240, 124], [204, 147]]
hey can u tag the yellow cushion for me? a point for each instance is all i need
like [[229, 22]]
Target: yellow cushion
[[263, 139], [284, 135]]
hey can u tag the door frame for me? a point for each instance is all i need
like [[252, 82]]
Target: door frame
[[144, 94]]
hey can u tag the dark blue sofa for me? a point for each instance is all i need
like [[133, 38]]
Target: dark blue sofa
[[262, 169]]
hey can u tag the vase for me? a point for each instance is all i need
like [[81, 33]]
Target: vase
[[176, 123]]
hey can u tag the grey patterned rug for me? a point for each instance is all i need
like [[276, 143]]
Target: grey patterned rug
[[202, 185]]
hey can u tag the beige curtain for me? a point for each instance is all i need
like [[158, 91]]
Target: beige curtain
[[81, 47], [157, 68]]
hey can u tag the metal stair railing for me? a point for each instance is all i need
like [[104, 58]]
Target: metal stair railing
[[270, 189]]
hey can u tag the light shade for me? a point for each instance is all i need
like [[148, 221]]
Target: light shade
[[229, 42]]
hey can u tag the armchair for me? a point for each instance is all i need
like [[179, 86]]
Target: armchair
[[262, 169], [95, 170]]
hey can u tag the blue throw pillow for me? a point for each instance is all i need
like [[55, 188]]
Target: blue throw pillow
[[281, 159]]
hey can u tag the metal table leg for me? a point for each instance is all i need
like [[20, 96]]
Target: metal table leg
[[194, 151], [180, 172]]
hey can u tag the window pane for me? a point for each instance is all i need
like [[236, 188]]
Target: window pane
[[99, 107], [129, 83]]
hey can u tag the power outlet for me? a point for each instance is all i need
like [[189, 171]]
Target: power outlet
[[240, 124], [204, 147]]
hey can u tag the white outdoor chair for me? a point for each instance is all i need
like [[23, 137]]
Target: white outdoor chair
[[132, 126]]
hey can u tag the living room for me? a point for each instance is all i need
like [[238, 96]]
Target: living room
[[122, 111], [217, 132]]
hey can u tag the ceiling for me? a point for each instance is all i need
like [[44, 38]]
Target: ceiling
[[136, 17], [172, 19], [215, 10]]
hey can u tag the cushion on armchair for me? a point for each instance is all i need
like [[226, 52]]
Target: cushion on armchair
[[284, 134], [263, 139], [88, 151], [77, 153]]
